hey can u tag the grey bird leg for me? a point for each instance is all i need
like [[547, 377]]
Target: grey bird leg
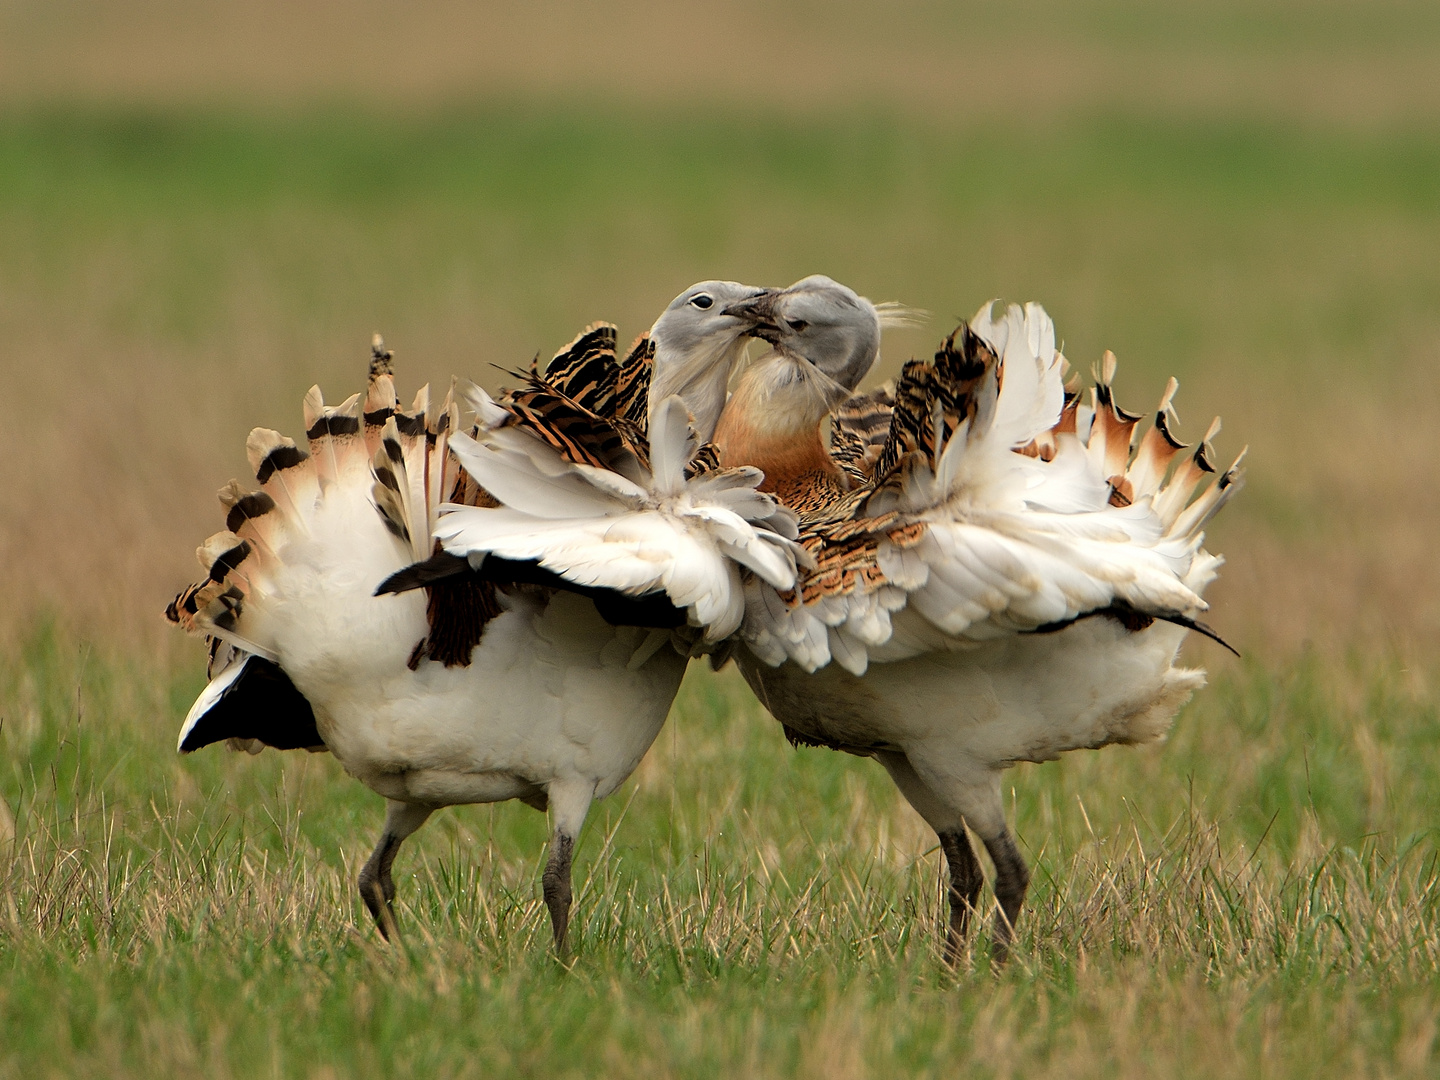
[[377, 887], [569, 801], [1012, 878], [966, 879], [556, 882]]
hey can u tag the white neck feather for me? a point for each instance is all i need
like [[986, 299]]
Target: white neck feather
[[779, 395], [699, 378]]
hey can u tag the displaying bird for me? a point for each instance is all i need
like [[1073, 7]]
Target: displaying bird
[[996, 572], [504, 682], [1000, 574]]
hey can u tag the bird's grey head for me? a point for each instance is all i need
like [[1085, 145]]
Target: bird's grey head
[[697, 340], [826, 323]]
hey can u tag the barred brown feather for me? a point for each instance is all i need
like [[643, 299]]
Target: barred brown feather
[[586, 369], [632, 389], [944, 390], [579, 434], [859, 430], [593, 408]]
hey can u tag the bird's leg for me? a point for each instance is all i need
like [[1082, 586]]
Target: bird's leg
[[556, 882], [949, 825], [377, 888], [971, 793], [966, 879], [1012, 878], [569, 802]]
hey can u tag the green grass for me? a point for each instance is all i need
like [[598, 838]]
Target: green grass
[[1262, 893], [1258, 896]]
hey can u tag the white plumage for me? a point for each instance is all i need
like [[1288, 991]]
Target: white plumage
[[551, 709], [555, 705], [1007, 585], [1023, 604]]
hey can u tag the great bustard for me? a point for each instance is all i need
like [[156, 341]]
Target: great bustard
[[996, 573], [506, 687], [998, 577]]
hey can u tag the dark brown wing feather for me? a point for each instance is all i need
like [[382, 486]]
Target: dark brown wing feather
[[949, 388], [858, 432], [585, 370], [930, 400], [580, 435], [632, 389]]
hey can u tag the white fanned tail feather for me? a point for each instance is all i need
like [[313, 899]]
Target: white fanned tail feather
[[318, 522]]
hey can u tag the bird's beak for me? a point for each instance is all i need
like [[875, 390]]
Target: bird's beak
[[759, 311]]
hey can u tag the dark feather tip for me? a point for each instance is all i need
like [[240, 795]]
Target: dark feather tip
[[1201, 628], [438, 567]]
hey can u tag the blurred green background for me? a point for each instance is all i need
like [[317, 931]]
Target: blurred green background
[[206, 207]]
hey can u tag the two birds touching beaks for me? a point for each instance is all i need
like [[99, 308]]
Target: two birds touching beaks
[[478, 599]]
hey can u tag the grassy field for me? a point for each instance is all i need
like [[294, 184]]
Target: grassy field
[[1260, 895], [195, 226]]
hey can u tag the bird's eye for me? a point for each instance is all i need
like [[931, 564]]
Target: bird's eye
[[702, 301], [797, 325]]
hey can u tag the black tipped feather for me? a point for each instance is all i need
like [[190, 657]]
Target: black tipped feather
[[412, 426], [261, 704], [418, 575], [282, 457], [248, 508], [229, 560], [335, 425], [1134, 620], [1200, 628]]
